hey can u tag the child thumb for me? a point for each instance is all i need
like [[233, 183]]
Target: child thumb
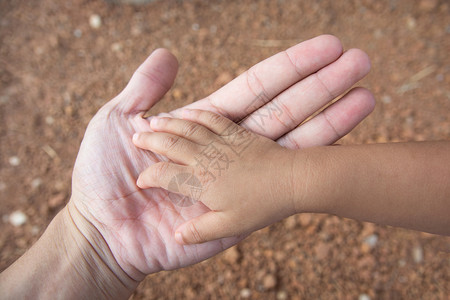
[[207, 227]]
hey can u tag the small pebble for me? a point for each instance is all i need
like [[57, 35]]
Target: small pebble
[[95, 21], [231, 255], [428, 5], [56, 200], [282, 295], [14, 161], [305, 219], [77, 33], [269, 281], [409, 121], [245, 293], [49, 120], [35, 230], [177, 94], [35, 183], [363, 297], [116, 47], [167, 43], [417, 254], [378, 34], [195, 27], [136, 30], [371, 240], [223, 78], [290, 223], [386, 99], [17, 218], [411, 22]]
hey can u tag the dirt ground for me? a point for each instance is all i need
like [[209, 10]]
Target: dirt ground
[[59, 63]]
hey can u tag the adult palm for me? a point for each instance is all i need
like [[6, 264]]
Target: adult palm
[[272, 98]]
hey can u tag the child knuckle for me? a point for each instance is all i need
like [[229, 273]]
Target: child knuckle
[[196, 235], [161, 170]]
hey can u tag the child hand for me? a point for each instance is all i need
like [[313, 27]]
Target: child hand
[[244, 178]]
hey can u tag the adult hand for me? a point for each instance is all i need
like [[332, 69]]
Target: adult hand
[[272, 99]]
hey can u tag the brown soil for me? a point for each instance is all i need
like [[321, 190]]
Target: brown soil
[[56, 71]]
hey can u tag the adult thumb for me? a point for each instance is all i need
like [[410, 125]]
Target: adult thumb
[[150, 81], [210, 226]]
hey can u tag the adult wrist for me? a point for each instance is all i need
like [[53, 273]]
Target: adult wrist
[[98, 273], [64, 264]]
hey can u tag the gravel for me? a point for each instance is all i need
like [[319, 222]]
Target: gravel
[[17, 218]]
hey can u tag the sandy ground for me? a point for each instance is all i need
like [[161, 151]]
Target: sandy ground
[[57, 69]]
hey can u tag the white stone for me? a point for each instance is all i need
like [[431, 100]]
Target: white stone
[[95, 21], [363, 297], [417, 254], [77, 33], [195, 27], [49, 120], [371, 240], [282, 295], [411, 22], [17, 218], [116, 47], [14, 161], [245, 293], [35, 183]]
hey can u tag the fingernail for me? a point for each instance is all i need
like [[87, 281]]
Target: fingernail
[[135, 137], [154, 122], [187, 112], [139, 182], [179, 238]]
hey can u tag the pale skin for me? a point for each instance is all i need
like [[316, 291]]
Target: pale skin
[[398, 184], [112, 233]]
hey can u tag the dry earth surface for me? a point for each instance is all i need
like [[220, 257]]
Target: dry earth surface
[[61, 60]]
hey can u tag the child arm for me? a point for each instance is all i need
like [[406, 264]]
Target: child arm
[[402, 184], [397, 184]]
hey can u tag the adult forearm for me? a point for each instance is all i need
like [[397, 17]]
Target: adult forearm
[[62, 265], [400, 184]]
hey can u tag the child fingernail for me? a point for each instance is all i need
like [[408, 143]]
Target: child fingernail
[[179, 238], [154, 122], [140, 183], [135, 137], [187, 112]]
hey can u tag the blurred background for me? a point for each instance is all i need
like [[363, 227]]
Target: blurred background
[[62, 60]]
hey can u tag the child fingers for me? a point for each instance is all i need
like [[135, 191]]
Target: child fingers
[[176, 148], [214, 122], [210, 226], [161, 175], [187, 129]]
